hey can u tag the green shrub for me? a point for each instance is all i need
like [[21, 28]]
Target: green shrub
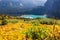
[[46, 22], [39, 34], [4, 21], [50, 23]]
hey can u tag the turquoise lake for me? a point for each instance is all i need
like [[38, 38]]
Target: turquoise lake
[[33, 16]]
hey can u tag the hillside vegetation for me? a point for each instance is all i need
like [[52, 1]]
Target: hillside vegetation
[[29, 29]]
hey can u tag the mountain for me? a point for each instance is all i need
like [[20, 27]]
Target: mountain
[[52, 8], [17, 12], [13, 6], [36, 11], [19, 7]]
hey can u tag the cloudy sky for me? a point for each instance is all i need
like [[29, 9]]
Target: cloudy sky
[[19, 5], [26, 2], [35, 2]]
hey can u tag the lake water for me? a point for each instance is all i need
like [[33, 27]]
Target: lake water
[[33, 16]]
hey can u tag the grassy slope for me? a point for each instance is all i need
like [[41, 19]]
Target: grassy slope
[[15, 31]]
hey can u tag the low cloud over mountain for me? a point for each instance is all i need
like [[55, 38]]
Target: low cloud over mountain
[[52, 8]]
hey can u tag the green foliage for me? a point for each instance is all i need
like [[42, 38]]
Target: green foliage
[[4, 21], [47, 22], [37, 33], [43, 22], [12, 21]]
